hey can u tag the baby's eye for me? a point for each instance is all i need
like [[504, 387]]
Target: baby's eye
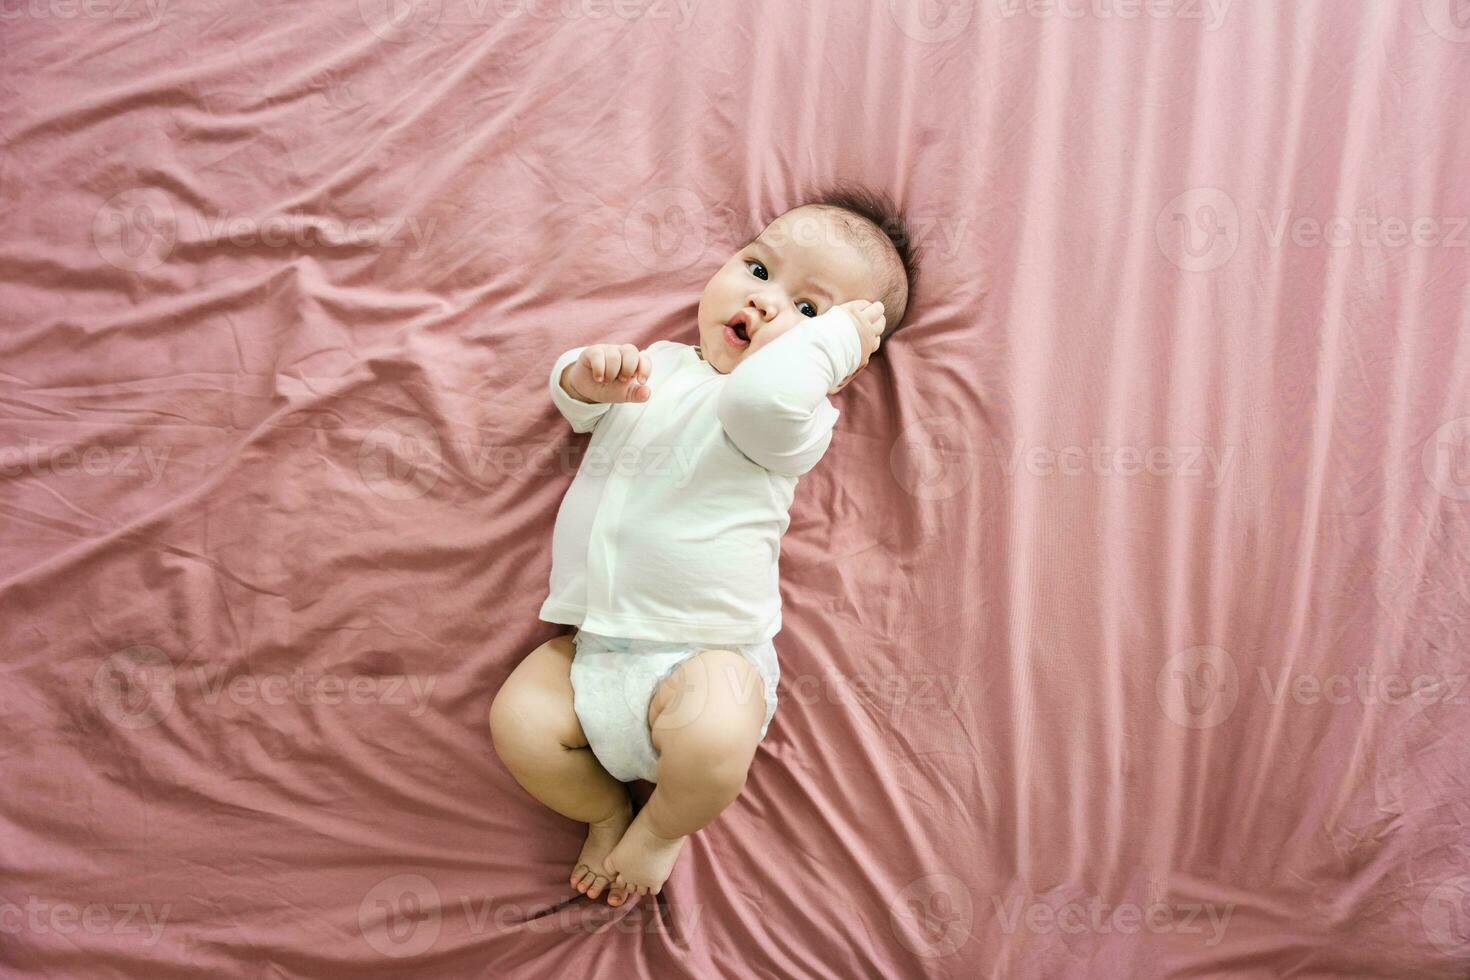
[[758, 270], [806, 305]]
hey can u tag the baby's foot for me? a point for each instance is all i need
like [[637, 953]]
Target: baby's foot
[[588, 876], [642, 860]]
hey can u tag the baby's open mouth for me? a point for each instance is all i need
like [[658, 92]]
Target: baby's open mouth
[[736, 332]]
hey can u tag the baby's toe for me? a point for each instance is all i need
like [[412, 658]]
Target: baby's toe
[[595, 888]]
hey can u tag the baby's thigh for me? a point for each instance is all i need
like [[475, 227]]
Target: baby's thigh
[[715, 697], [535, 705]]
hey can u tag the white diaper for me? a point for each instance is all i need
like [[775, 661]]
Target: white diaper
[[614, 679]]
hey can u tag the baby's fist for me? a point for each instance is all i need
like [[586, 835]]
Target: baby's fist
[[870, 321], [870, 324], [608, 374]]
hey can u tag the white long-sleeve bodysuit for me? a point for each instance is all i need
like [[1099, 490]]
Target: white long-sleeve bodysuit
[[671, 529]]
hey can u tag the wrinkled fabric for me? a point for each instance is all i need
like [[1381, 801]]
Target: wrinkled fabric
[[1125, 620]]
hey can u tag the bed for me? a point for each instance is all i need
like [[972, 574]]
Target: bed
[[1124, 624]]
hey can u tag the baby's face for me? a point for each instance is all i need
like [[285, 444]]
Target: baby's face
[[802, 265]]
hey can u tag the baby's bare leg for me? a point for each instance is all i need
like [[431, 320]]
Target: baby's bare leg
[[705, 723], [534, 727]]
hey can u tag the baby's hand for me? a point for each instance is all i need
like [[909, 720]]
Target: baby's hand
[[870, 321], [608, 374]]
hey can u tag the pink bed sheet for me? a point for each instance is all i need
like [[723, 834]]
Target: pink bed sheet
[[1126, 620]]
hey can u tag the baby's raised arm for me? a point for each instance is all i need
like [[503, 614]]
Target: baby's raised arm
[[774, 404]]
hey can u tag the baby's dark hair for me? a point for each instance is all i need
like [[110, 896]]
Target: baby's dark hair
[[881, 227]]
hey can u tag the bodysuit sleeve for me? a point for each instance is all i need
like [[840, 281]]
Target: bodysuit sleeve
[[584, 417], [774, 404]]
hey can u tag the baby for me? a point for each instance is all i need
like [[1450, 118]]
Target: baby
[[668, 567]]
